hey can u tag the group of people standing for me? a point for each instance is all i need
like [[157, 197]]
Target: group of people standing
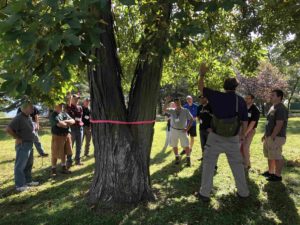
[[70, 125], [228, 124]]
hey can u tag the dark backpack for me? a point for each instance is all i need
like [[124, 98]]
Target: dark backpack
[[228, 127]]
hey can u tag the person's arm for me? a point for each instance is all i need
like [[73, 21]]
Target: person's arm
[[277, 128], [37, 121], [13, 134], [250, 127], [70, 122], [62, 124], [203, 70], [191, 120]]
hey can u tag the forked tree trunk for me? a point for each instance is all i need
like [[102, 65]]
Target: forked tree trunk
[[122, 152]]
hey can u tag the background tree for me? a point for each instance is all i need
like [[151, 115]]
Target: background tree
[[268, 78]]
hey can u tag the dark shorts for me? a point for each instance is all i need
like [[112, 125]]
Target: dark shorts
[[192, 132]]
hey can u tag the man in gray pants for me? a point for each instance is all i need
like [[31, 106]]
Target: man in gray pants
[[229, 111]]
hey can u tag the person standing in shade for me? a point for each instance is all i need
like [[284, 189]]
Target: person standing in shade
[[181, 122], [87, 128], [229, 112], [21, 128], [275, 136], [35, 116], [168, 130], [204, 114], [253, 118], [192, 107], [75, 111], [61, 144]]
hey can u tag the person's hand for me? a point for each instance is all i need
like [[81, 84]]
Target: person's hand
[[203, 69], [242, 137], [18, 141], [273, 137], [185, 130]]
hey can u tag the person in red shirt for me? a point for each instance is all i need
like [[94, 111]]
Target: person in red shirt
[[75, 111]]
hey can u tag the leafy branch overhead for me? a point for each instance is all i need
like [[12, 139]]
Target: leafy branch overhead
[[46, 45]]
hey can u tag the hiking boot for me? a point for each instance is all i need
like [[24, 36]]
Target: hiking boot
[[266, 174], [182, 152], [44, 155], [69, 165], [201, 197], [78, 163], [53, 172], [177, 160], [188, 161], [274, 178], [64, 170]]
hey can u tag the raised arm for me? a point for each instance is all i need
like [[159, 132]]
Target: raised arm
[[203, 70]]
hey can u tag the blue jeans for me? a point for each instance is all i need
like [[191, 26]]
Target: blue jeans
[[38, 144], [23, 164], [77, 136]]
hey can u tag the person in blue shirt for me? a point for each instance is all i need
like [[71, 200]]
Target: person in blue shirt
[[193, 108]]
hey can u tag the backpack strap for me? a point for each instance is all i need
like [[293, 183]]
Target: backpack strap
[[237, 104]]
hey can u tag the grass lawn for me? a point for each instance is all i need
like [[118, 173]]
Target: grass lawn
[[62, 200]]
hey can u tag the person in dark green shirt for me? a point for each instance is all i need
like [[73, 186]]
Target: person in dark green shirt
[[275, 136], [61, 145]]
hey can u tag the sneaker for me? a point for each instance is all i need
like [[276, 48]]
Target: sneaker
[[200, 159], [266, 174], [65, 170], [53, 172], [33, 184], [188, 161], [21, 189], [78, 163], [182, 152], [177, 160], [275, 178], [44, 155], [201, 197]]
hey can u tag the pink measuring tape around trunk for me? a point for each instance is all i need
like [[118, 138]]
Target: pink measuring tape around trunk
[[123, 122]]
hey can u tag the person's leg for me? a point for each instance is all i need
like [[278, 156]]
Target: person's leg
[[192, 141], [271, 164], [88, 137], [28, 168], [167, 139], [78, 144], [235, 160], [22, 154], [38, 145], [73, 138], [278, 167], [211, 154]]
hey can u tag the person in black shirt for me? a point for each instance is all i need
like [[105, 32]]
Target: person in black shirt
[[36, 124], [253, 117], [87, 129], [204, 115]]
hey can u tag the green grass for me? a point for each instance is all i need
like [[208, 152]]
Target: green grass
[[62, 201]]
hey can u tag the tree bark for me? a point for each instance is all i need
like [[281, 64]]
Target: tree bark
[[122, 152]]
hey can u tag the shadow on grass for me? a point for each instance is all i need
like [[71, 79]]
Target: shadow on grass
[[280, 202]]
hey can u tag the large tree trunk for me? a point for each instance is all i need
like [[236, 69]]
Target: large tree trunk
[[122, 152]]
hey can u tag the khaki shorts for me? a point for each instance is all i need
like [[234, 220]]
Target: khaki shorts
[[61, 146], [273, 148], [177, 135]]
